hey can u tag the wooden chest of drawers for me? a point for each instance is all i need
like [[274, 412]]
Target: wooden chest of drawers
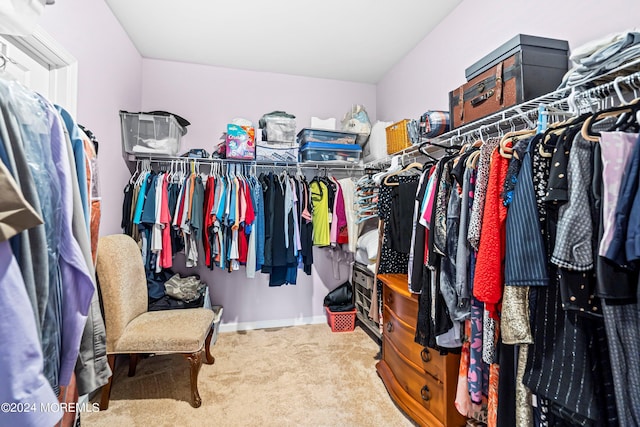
[[420, 380]]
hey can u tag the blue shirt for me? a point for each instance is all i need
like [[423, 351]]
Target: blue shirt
[[524, 238], [140, 202], [232, 205], [259, 222], [78, 153], [223, 200], [149, 208]]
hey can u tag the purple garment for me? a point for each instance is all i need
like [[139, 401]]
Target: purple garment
[[77, 283], [616, 148], [21, 362]]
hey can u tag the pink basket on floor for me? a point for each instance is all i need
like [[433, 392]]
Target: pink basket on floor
[[341, 321]]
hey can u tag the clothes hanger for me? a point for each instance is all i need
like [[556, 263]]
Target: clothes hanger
[[174, 171], [4, 74], [626, 120], [449, 149], [395, 166], [477, 142], [409, 167], [134, 176], [424, 152], [480, 129], [183, 171], [544, 148], [143, 172], [472, 160], [587, 128], [512, 137]]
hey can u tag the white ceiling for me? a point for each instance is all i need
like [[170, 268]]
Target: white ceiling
[[354, 40]]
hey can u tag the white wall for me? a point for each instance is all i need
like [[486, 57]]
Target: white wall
[[422, 80], [109, 79], [209, 97]]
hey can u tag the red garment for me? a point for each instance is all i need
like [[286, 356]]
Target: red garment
[[243, 245], [166, 256], [493, 400], [209, 194], [181, 203], [489, 273], [250, 216], [341, 215]]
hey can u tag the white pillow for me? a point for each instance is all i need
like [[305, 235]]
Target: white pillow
[[369, 242], [361, 257]]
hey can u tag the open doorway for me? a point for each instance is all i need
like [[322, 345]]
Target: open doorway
[[43, 65]]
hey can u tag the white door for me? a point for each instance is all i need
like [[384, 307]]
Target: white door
[[42, 64], [23, 68]]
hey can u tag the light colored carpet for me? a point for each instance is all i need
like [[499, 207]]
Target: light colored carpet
[[297, 376]]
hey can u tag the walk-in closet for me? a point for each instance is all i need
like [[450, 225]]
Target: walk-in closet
[[324, 214]]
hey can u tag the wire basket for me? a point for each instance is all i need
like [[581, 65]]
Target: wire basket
[[341, 321], [398, 137]]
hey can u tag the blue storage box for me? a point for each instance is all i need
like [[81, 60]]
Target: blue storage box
[[327, 136], [322, 152]]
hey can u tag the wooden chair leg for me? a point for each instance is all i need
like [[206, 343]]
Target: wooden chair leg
[[207, 348], [106, 389], [134, 358], [195, 361]]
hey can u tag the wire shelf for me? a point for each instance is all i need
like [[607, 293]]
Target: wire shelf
[[335, 165], [527, 113]]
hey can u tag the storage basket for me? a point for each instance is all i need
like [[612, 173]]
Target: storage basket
[[341, 321], [398, 137]]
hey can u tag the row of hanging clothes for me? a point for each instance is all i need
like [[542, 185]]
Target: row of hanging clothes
[[51, 327], [396, 195], [267, 222], [524, 252]]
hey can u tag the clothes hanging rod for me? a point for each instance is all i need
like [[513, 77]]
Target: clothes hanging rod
[[605, 88], [588, 97], [337, 165], [557, 99]]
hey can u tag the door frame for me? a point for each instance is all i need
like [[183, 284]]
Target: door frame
[[62, 65]]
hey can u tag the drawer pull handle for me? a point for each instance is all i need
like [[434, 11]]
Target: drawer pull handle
[[425, 394], [389, 327], [425, 355], [389, 299]]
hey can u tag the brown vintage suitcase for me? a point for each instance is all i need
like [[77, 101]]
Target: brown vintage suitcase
[[522, 69]]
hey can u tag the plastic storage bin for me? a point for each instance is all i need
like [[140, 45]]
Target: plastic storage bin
[[341, 321], [327, 136], [279, 129], [277, 152], [150, 134], [321, 152]]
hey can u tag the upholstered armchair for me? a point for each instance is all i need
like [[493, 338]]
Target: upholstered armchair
[[133, 330]]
